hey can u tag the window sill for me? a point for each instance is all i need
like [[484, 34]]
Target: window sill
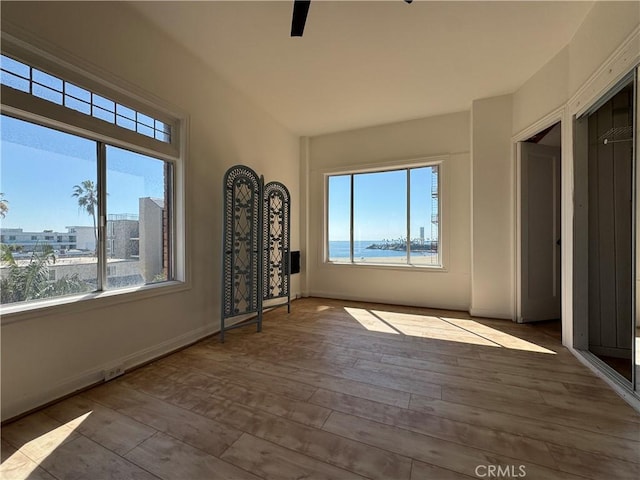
[[80, 303], [389, 266]]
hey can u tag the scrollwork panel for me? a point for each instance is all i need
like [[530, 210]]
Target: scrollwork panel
[[241, 255], [276, 238]]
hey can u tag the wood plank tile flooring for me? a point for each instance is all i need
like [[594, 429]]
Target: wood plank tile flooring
[[342, 390]]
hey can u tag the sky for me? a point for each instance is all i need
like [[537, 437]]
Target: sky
[[39, 167], [380, 205]]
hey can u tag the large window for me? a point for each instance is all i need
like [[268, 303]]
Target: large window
[[86, 189], [385, 217]]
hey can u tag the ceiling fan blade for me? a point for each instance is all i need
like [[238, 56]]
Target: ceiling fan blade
[[300, 10]]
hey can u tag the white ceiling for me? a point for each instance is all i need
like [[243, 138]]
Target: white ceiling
[[367, 63]]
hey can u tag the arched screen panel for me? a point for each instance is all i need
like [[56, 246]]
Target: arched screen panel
[[241, 246], [276, 242]]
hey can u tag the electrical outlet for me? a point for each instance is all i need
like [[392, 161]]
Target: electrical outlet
[[113, 372]]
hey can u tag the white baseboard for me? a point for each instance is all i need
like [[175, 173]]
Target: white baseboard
[[360, 298], [95, 374], [488, 313]]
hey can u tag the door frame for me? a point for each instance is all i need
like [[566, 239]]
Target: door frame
[[557, 116]]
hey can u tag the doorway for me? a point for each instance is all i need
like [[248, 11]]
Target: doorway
[[538, 227]]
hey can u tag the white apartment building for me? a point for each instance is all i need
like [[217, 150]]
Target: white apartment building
[[135, 252]]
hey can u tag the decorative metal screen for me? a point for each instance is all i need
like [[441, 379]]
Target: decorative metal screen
[[276, 240], [242, 246]]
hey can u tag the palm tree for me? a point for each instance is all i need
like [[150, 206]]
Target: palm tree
[[31, 281], [87, 196], [4, 208]]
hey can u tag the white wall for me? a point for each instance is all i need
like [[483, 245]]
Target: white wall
[[567, 81], [606, 26], [544, 92], [604, 29], [52, 353], [381, 146], [491, 208]]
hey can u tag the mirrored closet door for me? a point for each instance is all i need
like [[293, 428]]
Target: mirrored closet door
[[636, 323], [606, 239]]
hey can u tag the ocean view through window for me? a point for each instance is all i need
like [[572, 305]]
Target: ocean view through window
[[389, 217]]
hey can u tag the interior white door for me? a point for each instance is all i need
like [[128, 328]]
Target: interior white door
[[539, 205]]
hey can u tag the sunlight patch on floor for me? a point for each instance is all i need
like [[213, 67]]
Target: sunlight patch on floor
[[22, 463], [503, 339], [370, 321], [322, 308], [430, 327], [440, 328]]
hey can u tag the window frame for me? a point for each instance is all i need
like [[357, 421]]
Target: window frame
[[441, 162], [29, 108], [83, 77]]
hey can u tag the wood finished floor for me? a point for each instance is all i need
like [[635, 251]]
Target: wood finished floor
[[342, 390]]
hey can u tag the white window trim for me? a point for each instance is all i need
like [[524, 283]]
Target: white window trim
[[13, 313], [45, 56], [443, 211]]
